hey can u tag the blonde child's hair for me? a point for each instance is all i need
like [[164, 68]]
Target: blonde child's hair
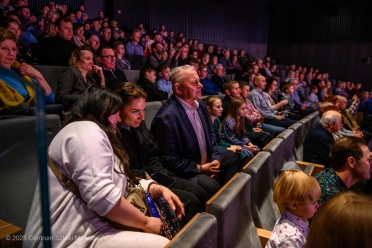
[[295, 186]]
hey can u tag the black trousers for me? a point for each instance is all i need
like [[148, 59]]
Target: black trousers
[[192, 196], [259, 139]]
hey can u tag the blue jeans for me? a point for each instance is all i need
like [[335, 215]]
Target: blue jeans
[[281, 123], [273, 130]]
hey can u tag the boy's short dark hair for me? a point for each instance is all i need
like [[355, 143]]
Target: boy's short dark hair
[[162, 67]]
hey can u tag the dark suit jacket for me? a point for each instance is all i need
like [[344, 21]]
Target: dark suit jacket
[[178, 144], [219, 81], [55, 50], [71, 85], [317, 145], [112, 80]]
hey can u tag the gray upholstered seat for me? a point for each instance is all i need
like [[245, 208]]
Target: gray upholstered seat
[[132, 75], [50, 73], [19, 169], [232, 208], [200, 232], [151, 109], [288, 144], [276, 149], [299, 134], [265, 212]]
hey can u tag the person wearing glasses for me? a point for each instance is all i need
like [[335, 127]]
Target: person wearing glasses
[[209, 88], [107, 58], [76, 78], [143, 151], [106, 36]]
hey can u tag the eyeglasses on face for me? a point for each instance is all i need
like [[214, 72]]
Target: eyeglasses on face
[[110, 57], [130, 89]]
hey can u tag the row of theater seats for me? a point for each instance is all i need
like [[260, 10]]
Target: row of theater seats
[[233, 214], [51, 74]]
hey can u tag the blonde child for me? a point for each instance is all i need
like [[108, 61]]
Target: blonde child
[[298, 193]]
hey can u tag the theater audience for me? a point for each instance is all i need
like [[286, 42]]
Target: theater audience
[[78, 37], [107, 59], [56, 50], [214, 107], [254, 133], [347, 214], [318, 141], [156, 58], [86, 150], [24, 53], [253, 115], [269, 93], [209, 88], [185, 136], [15, 94], [271, 116], [147, 83], [133, 46], [233, 128], [143, 151], [218, 78], [121, 62], [163, 82], [95, 27], [298, 193], [76, 78], [350, 161]]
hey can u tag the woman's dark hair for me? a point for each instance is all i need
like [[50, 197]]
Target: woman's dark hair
[[269, 82], [96, 104]]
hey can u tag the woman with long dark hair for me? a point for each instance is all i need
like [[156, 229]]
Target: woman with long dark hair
[[88, 152]]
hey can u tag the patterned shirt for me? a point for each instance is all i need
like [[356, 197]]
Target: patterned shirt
[[260, 102], [252, 113], [289, 231], [330, 184]]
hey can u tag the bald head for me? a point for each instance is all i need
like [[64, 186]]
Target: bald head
[[343, 102], [259, 82]]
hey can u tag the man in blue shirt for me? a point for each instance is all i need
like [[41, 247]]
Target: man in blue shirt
[[133, 46]]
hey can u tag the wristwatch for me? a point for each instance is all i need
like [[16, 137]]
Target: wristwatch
[[200, 168]]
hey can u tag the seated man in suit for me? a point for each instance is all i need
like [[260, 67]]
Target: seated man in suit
[[107, 58], [218, 78], [185, 135], [318, 141]]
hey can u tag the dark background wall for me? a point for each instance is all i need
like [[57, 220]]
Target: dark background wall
[[333, 36], [235, 24]]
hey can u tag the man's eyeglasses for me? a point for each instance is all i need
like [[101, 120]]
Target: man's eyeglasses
[[130, 89], [110, 57]]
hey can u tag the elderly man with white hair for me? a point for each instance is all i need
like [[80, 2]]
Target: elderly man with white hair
[[187, 144], [318, 141]]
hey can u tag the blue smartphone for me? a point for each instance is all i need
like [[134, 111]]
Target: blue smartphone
[[151, 206], [285, 113]]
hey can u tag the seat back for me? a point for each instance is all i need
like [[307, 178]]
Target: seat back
[[132, 75], [278, 158], [19, 169], [151, 109], [50, 73], [201, 232], [137, 61], [288, 144], [265, 212], [232, 208], [298, 139]]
